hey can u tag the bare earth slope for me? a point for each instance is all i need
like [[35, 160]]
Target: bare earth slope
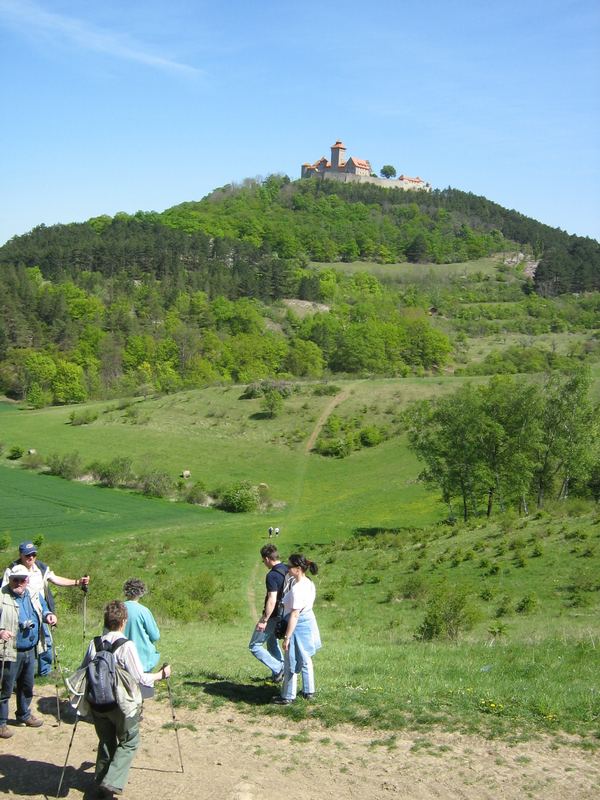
[[230, 756]]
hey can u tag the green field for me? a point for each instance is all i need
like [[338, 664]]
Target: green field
[[529, 662]]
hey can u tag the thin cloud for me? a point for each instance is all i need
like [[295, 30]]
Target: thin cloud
[[33, 19]]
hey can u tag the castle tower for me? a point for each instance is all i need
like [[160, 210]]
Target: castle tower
[[338, 156]]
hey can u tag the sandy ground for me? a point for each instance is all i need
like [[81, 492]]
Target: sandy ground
[[233, 756]]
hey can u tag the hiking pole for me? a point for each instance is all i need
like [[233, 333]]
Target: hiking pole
[[84, 589], [174, 719], [62, 774], [57, 671], [3, 662]]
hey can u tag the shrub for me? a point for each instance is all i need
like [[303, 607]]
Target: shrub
[[117, 472], [240, 498], [32, 461], [370, 436], [155, 483], [15, 452], [67, 466], [4, 541], [85, 417], [326, 389], [448, 614], [38, 540], [527, 604], [338, 447], [196, 494], [413, 588]]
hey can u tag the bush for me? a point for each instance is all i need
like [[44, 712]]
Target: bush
[[448, 614], [67, 466], [239, 498], [371, 436], [326, 389], [413, 588], [527, 604], [117, 472], [196, 494], [4, 541], [33, 461], [338, 447], [15, 453], [155, 484], [85, 417]]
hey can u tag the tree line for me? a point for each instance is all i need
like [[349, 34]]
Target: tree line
[[509, 444]]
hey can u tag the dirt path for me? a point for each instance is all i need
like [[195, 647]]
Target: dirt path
[[232, 756], [335, 401]]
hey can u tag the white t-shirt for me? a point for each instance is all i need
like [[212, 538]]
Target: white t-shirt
[[301, 596]]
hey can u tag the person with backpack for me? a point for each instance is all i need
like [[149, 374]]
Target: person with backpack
[[40, 576], [110, 678], [21, 616], [264, 644], [302, 639]]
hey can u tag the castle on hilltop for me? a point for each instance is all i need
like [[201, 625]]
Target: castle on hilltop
[[357, 170]]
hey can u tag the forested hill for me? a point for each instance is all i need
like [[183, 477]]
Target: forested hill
[[248, 240]]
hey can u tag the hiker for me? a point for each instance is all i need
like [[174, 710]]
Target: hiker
[[302, 639], [117, 727], [21, 639], [141, 627], [40, 575], [265, 630]]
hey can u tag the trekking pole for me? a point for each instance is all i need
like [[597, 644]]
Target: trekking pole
[[57, 670], [84, 589], [62, 774], [174, 719], [3, 662]]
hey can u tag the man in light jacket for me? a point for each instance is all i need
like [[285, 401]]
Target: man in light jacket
[[21, 639]]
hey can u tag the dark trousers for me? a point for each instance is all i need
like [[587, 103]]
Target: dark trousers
[[18, 673]]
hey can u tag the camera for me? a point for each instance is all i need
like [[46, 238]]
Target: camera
[[27, 625]]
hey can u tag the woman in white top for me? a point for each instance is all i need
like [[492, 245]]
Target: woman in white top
[[302, 639]]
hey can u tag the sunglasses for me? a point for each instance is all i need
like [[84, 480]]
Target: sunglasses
[[18, 580], [30, 555]]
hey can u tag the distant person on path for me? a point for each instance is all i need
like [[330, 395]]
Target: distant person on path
[[302, 638], [264, 632], [21, 640], [118, 734], [40, 575], [141, 626]]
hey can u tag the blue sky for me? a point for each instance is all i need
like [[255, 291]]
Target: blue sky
[[117, 106]]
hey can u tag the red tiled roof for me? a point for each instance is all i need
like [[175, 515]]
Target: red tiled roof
[[359, 162]]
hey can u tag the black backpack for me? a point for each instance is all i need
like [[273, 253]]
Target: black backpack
[[281, 620], [101, 672]]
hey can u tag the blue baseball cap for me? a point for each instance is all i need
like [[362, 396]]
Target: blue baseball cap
[[27, 548]]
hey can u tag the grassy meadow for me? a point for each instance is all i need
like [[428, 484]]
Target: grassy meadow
[[526, 659]]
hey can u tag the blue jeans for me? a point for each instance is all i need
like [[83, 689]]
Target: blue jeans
[[44, 665], [19, 673], [271, 656]]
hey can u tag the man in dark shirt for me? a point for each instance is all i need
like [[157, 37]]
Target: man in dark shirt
[[264, 632], [21, 617]]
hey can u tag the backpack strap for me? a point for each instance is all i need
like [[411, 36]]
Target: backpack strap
[[115, 645]]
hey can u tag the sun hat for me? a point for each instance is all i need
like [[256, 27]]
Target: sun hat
[[18, 571]]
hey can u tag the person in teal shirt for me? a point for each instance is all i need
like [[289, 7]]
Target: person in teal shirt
[[141, 627]]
